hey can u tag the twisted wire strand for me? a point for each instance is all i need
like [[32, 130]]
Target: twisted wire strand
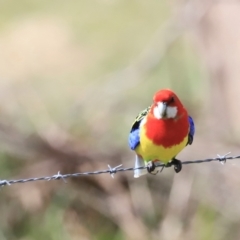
[[111, 171]]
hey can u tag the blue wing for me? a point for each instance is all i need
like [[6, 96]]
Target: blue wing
[[134, 136], [134, 139], [191, 130]]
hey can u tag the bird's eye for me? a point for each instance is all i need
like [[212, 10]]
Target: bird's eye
[[171, 100]]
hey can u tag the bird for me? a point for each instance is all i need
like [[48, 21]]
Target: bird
[[160, 132]]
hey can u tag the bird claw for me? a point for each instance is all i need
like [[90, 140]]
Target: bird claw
[[151, 168], [176, 163], [222, 158]]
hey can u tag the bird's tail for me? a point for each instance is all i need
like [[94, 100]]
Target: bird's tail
[[139, 162]]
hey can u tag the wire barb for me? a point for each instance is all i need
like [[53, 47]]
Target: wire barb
[[4, 183], [222, 158], [57, 177], [112, 171]]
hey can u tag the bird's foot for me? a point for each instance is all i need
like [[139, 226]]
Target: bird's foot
[[176, 163], [151, 168]]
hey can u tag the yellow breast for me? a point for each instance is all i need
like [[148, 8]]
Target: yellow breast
[[149, 151]]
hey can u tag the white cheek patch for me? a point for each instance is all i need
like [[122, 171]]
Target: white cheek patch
[[162, 111], [156, 113], [171, 112]]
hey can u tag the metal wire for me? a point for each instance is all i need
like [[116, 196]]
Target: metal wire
[[221, 158]]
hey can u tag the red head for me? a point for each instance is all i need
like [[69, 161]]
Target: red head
[[166, 105]]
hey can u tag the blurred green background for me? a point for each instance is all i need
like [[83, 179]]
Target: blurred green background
[[74, 75]]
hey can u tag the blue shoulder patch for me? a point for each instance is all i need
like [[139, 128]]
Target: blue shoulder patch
[[192, 127], [134, 135], [134, 138]]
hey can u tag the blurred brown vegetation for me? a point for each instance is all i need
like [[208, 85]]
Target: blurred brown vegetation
[[73, 76]]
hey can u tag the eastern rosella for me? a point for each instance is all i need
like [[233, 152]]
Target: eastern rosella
[[160, 132]]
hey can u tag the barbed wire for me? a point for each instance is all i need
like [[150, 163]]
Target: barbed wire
[[221, 158]]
